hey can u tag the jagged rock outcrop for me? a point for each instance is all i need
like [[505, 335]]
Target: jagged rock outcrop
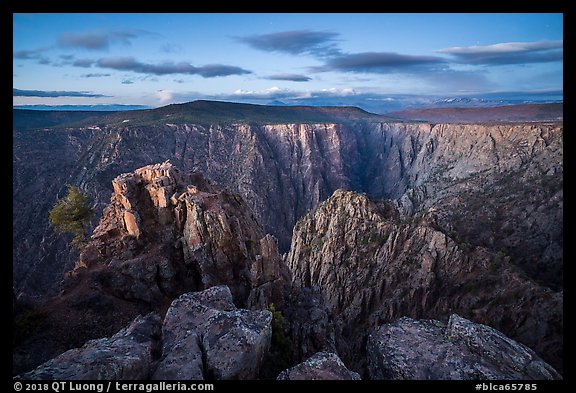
[[205, 336], [497, 185], [373, 267], [128, 354], [166, 232], [461, 350], [321, 366]]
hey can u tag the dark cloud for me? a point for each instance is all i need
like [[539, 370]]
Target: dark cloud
[[167, 68], [98, 40], [32, 54], [382, 62], [43, 93], [66, 57], [295, 42], [508, 53], [94, 75], [85, 63], [26, 54], [127, 82], [289, 77], [44, 60], [213, 70]]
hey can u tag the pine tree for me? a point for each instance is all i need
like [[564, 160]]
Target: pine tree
[[71, 214]]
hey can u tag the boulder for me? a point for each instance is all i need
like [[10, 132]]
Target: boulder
[[321, 366], [205, 336], [461, 350], [128, 355]]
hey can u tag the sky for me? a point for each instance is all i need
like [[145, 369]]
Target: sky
[[370, 60]]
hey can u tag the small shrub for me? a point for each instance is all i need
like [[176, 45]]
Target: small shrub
[[280, 356]]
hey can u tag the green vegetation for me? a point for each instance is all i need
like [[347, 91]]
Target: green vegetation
[[280, 357], [71, 215], [249, 243], [498, 259], [465, 247]]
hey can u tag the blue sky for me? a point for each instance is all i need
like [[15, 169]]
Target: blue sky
[[369, 60]]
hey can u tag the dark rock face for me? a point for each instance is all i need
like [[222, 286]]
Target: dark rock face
[[498, 186], [128, 354], [311, 326], [205, 336], [462, 350], [374, 267], [166, 232], [321, 366]]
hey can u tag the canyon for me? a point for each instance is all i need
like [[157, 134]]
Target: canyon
[[346, 221]]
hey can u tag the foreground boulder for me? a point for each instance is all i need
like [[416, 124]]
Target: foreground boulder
[[462, 350], [206, 337], [127, 355], [321, 366]]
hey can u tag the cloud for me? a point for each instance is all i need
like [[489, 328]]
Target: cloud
[[99, 40], [508, 53], [382, 63], [127, 82], [43, 93], [32, 54], [289, 77], [295, 42], [276, 93], [167, 68], [165, 96], [94, 75], [271, 93], [85, 63]]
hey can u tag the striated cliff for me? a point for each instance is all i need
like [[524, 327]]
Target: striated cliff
[[372, 267], [498, 185]]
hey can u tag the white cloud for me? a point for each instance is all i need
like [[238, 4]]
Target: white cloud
[[164, 96], [505, 47]]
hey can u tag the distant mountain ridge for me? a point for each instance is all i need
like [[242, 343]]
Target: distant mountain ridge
[[506, 113], [197, 112]]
